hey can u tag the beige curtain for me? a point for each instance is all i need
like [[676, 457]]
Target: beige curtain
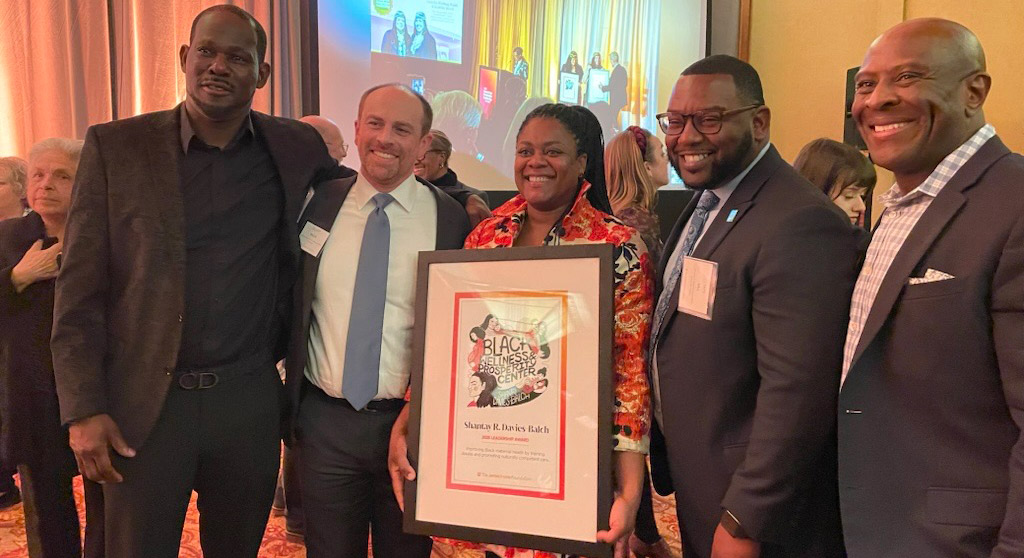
[[68, 64], [54, 70]]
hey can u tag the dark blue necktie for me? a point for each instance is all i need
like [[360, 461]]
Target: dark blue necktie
[[707, 202], [366, 322]]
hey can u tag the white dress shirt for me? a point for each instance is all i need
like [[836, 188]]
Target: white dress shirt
[[723, 192], [413, 219]]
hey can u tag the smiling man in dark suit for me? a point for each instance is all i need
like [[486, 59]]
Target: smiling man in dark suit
[[747, 333], [350, 355], [931, 413], [172, 305]]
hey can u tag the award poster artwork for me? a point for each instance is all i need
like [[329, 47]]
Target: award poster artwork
[[512, 397], [507, 414]]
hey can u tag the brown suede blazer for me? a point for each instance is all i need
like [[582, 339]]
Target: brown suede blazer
[[120, 296]]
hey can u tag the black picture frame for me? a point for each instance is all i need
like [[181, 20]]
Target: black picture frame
[[604, 255]]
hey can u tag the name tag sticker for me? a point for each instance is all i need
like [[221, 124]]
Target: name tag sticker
[[312, 239], [697, 287]]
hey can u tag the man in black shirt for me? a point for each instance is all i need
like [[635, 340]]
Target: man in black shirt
[[172, 304]]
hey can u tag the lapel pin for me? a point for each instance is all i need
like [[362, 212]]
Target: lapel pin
[[732, 216]]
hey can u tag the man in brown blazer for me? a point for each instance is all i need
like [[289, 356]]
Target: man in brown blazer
[[931, 412], [746, 377], [173, 302]]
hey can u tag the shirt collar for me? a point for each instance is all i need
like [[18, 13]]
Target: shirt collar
[[724, 191], [405, 194], [944, 171], [187, 132]]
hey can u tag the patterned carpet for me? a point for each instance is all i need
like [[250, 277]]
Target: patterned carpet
[[275, 545]]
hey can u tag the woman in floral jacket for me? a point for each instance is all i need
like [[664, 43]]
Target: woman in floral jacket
[[556, 205]]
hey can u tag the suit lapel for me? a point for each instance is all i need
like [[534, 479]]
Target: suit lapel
[[940, 212], [448, 235], [287, 165], [741, 200], [673, 239], [322, 211], [162, 153]]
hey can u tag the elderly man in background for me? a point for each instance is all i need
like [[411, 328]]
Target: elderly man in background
[[31, 435], [330, 133], [931, 411], [13, 174]]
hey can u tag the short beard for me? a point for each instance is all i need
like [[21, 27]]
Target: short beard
[[725, 170]]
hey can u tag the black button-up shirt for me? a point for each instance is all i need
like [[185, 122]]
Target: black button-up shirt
[[234, 207]]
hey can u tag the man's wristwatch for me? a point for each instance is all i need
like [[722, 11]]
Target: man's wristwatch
[[732, 525]]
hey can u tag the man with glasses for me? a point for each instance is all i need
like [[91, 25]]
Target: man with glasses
[[747, 332], [433, 166]]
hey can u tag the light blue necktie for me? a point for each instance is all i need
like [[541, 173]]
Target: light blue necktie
[[366, 322], [707, 202]]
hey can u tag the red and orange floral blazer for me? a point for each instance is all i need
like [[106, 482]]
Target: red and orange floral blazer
[[634, 295]]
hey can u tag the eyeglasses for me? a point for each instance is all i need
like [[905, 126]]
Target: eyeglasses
[[706, 121], [441, 151]]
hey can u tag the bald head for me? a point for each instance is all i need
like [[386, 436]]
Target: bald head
[[919, 96], [959, 45], [331, 134]]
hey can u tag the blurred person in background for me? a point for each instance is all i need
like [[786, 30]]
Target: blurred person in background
[[458, 115], [13, 202], [396, 40], [520, 67], [635, 167], [845, 175], [422, 44], [433, 165], [330, 133], [32, 436]]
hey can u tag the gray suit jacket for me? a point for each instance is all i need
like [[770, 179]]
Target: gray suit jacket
[[931, 452], [120, 296], [749, 396], [323, 208]]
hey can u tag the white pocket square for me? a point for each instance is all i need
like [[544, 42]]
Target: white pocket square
[[930, 276]]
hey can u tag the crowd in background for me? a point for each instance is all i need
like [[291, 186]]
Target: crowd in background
[[842, 393]]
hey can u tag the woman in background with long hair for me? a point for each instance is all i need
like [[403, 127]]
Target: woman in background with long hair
[[635, 167]]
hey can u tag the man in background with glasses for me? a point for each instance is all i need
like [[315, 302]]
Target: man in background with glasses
[[748, 330]]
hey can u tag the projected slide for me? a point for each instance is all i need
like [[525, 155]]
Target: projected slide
[[483, 65], [430, 29]]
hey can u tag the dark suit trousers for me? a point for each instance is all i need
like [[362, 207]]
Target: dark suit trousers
[[346, 489], [51, 519], [224, 443]]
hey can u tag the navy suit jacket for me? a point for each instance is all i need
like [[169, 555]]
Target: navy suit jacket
[[748, 397], [931, 452]]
